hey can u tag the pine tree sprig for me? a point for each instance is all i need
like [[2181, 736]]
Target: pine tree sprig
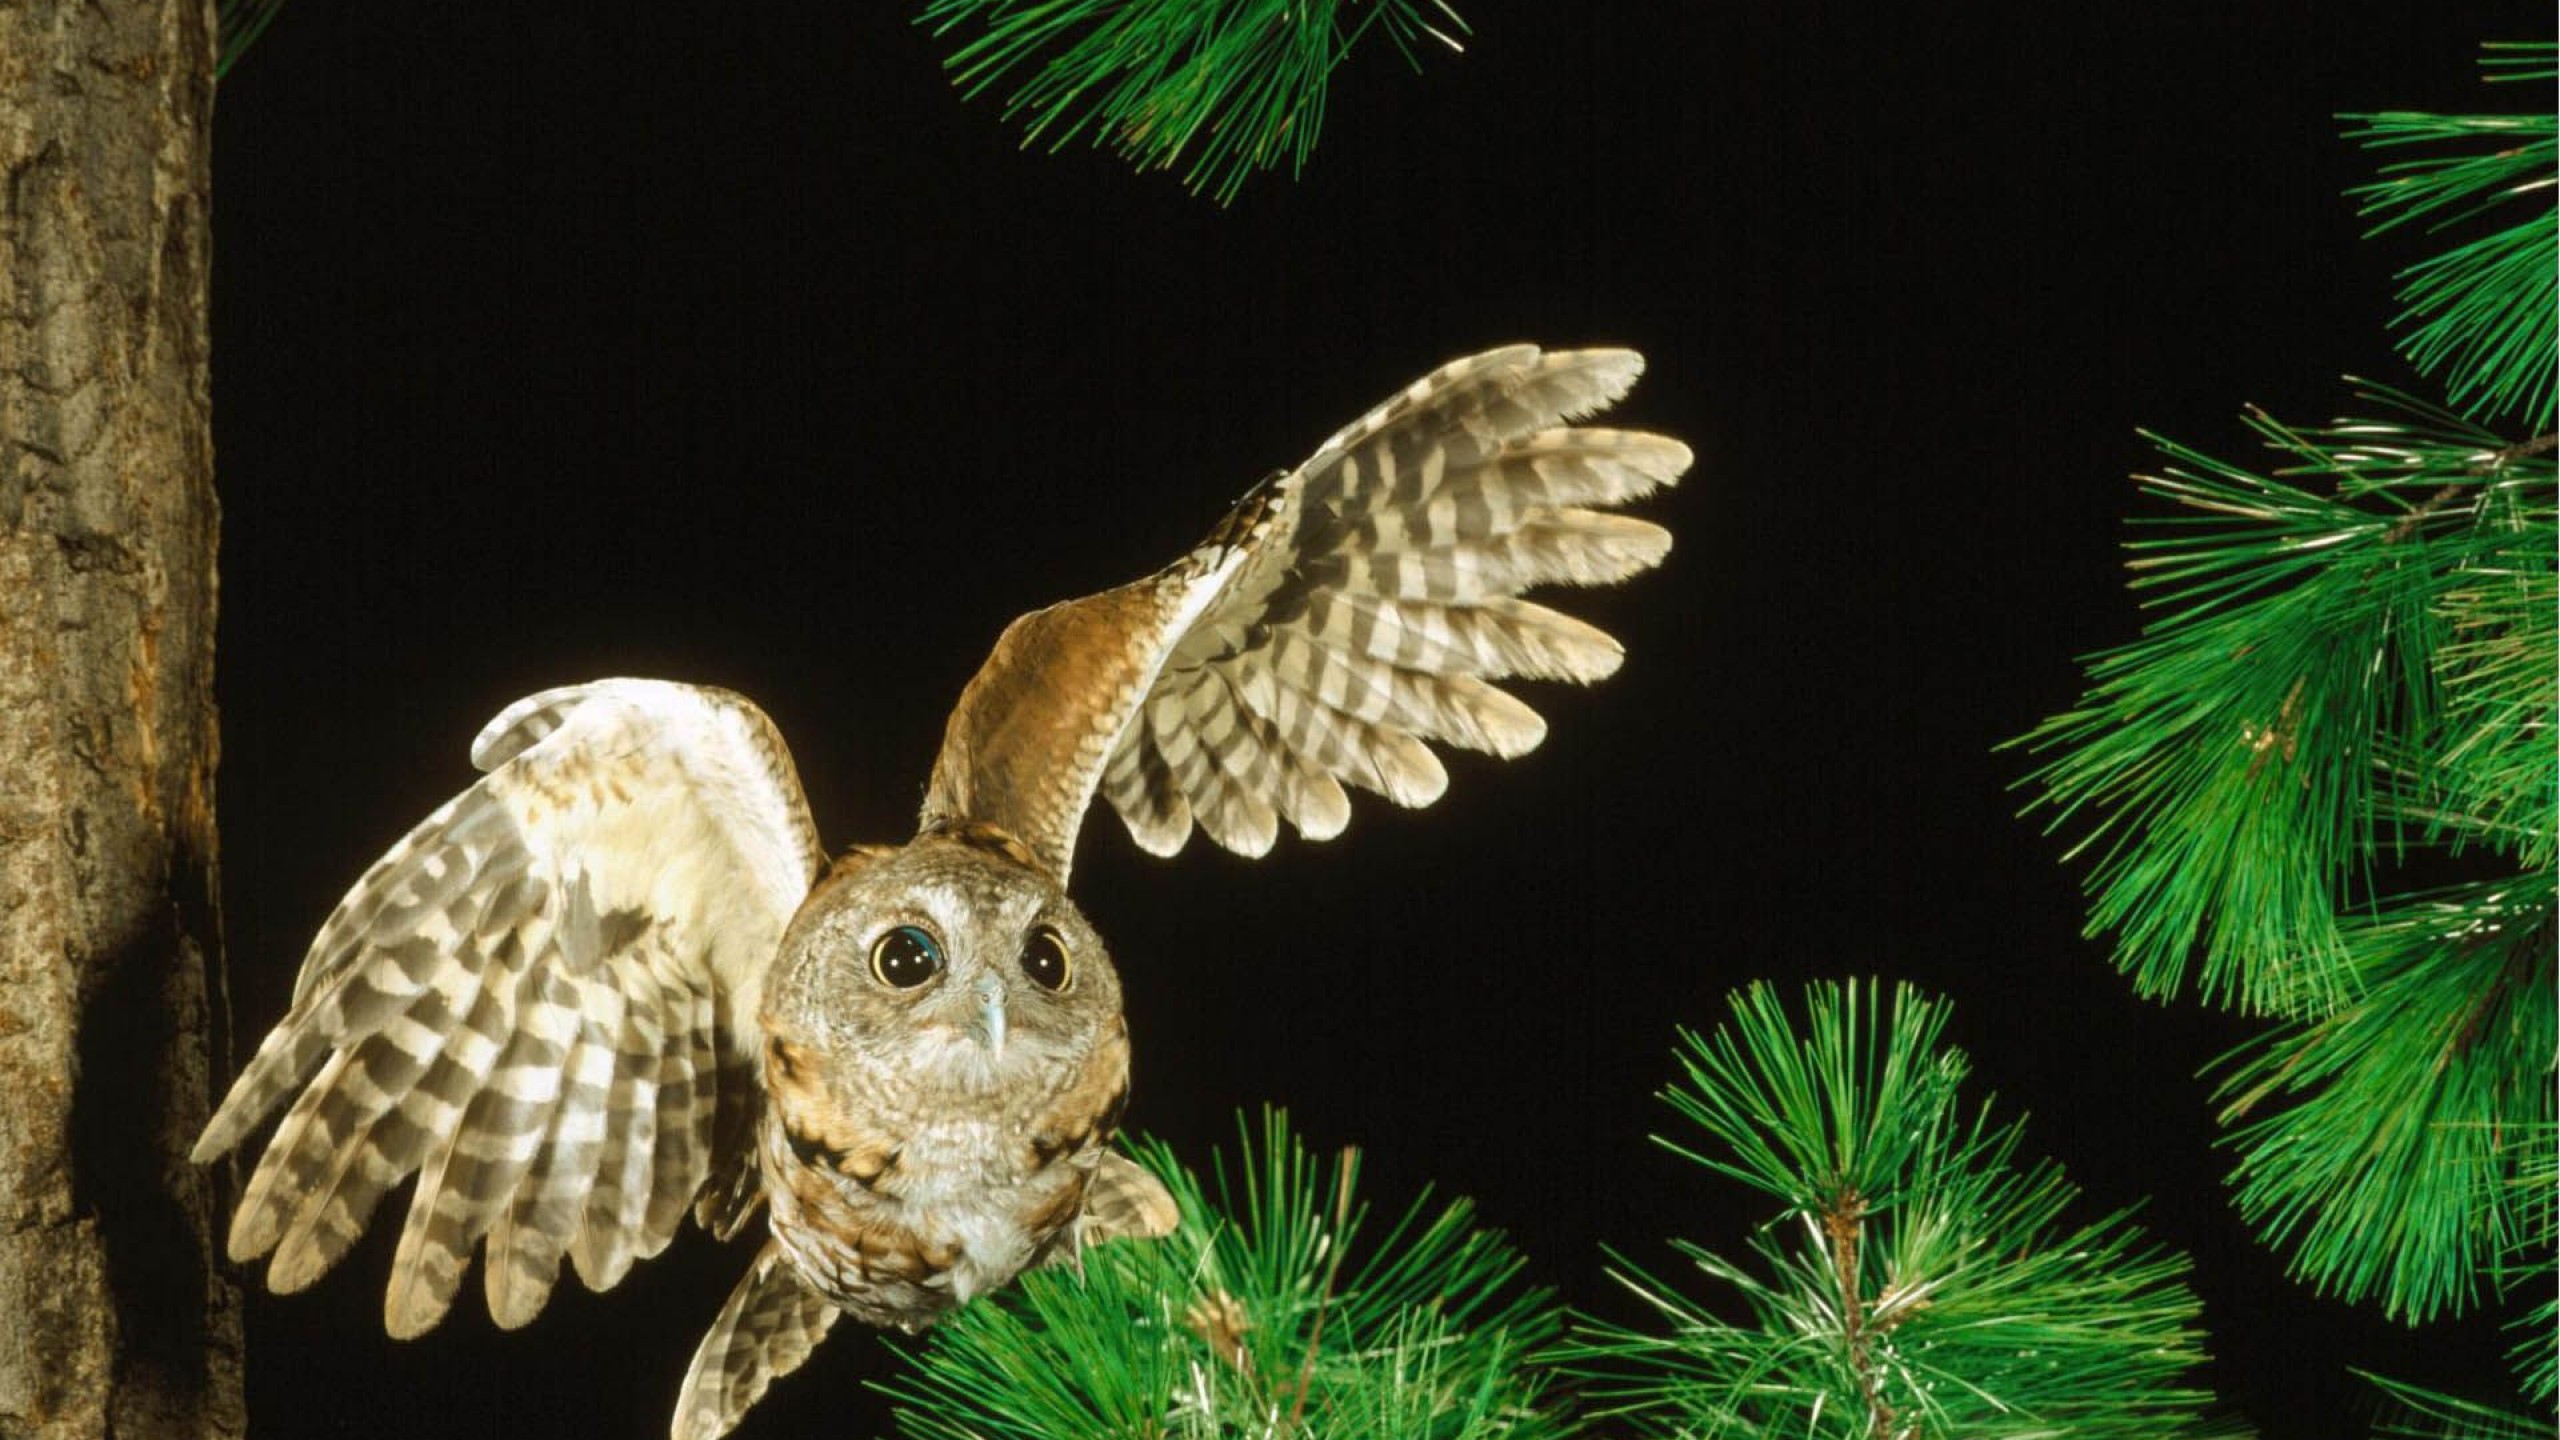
[[1810, 1117], [2225, 764], [2408, 1113], [1269, 1312], [2484, 314], [1919, 1279], [2346, 689], [1219, 88]]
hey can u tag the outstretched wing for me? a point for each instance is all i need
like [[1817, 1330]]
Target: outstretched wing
[[541, 1003], [1340, 616]]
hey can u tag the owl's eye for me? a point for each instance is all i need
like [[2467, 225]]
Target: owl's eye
[[905, 957], [1044, 959]]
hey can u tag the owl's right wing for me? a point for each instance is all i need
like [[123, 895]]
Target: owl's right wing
[[1344, 613], [542, 1003]]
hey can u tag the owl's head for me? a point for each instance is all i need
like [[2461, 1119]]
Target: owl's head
[[945, 979]]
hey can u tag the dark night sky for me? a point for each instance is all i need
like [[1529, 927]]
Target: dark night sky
[[730, 346]]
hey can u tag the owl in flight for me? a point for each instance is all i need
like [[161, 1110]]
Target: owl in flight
[[619, 977]]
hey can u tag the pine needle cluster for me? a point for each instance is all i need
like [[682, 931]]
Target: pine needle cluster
[[2476, 312], [2324, 786], [2345, 665], [1217, 88], [1921, 1276]]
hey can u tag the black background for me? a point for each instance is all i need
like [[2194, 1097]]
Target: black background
[[729, 345]]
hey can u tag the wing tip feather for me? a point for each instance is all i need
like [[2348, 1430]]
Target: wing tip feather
[[408, 1312], [765, 1330], [515, 1299], [1611, 370], [297, 1267], [213, 1143], [1406, 771], [1162, 837], [1513, 736], [249, 1236]]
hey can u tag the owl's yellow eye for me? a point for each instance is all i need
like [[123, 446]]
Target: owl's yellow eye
[[1044, 959], [905, 957]]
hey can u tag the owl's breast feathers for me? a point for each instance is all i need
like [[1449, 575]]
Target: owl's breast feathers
[[899, 1218]]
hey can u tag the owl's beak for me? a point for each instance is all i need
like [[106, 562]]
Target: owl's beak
[[989, 1027]]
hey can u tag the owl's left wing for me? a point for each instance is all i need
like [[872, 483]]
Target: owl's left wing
[[1342, 614], [541, 1003]]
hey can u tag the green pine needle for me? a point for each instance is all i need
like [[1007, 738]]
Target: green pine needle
[[1807, 1118], [2340, 666], [2484, 314], [2485, 777], [2430, 1415], [2528, 1269], [1220, 88], [2413, 1110], [1270, 1312], [240, 23], [1920, 1279]]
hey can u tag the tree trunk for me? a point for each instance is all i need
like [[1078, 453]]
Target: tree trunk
[[114, 1319]]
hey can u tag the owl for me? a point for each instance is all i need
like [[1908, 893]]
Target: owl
[[619, 977]]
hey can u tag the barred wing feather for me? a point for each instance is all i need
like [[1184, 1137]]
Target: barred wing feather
[[541, 1003]]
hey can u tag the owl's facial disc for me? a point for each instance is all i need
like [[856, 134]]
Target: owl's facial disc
[[941, 967]]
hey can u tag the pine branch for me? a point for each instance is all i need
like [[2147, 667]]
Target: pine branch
[[2351, 671], [2482, 313], [1269, 1313], [2485, 776], [2363, 601], [1919, 1279], [1219, 88]]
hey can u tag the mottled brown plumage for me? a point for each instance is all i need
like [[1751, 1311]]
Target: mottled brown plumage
[[617, 978]]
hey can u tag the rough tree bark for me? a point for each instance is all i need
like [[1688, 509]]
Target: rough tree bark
[[114, 1318]]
